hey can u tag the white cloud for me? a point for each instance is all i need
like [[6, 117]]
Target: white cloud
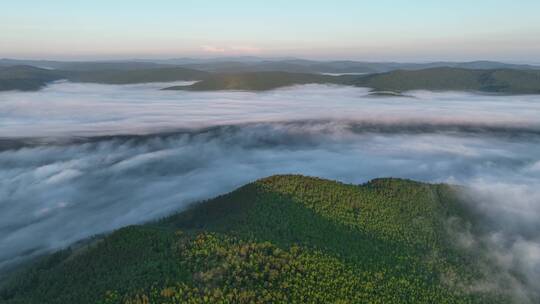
[[213, 49], [235, 49]]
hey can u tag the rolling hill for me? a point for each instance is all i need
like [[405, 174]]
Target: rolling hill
[[446, 79], [257, 81], [168, 74], [436, 79], [292, 65], [83, 65], [243, 64], [282, 239], [28, 78], [505, 81]]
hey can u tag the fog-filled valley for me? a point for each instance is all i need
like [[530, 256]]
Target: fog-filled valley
[[66, 109], [83, 159]]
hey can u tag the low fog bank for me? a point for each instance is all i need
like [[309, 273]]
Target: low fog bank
[[74, 109], [67, 174], [53, 195], [504, 233], [310, 130]]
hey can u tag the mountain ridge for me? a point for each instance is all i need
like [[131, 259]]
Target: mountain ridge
[[259, 64], [285, 238], [502, 81]]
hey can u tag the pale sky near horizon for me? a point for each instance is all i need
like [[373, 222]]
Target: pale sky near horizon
[[400, 30]]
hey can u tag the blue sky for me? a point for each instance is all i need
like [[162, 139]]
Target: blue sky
[[414, 30]]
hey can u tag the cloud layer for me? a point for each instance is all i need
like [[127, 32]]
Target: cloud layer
[[78, 176], [71, 109]]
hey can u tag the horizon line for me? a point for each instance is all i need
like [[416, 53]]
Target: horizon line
[[260, 58]]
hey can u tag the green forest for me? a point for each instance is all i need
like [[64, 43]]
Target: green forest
[[501, 80], [282, 239]]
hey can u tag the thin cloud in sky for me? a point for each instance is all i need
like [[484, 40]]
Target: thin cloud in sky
[[212, 49], [231, 49]]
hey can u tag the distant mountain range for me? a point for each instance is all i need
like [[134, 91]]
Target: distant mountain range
[[256, 64], [256, 75], [309, 66]]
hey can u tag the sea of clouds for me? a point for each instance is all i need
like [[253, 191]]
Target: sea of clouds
[[74, 109], [82, 159]]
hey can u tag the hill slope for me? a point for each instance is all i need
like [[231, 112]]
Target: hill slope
[[256, 81], [28, 78], [280, 239], [244, 64], [497, 81], [436, 79], [136, 76], [292, 65]]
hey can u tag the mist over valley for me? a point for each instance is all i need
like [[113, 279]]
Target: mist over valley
[[83, 159]]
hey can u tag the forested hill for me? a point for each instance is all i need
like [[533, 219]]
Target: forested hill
[[436, 79], [29, 78], [26, 78], [258, 81], [167, 74], [453, 79], [505, 81], [282, 239]]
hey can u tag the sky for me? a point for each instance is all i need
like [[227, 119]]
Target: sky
[[399, 30]]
